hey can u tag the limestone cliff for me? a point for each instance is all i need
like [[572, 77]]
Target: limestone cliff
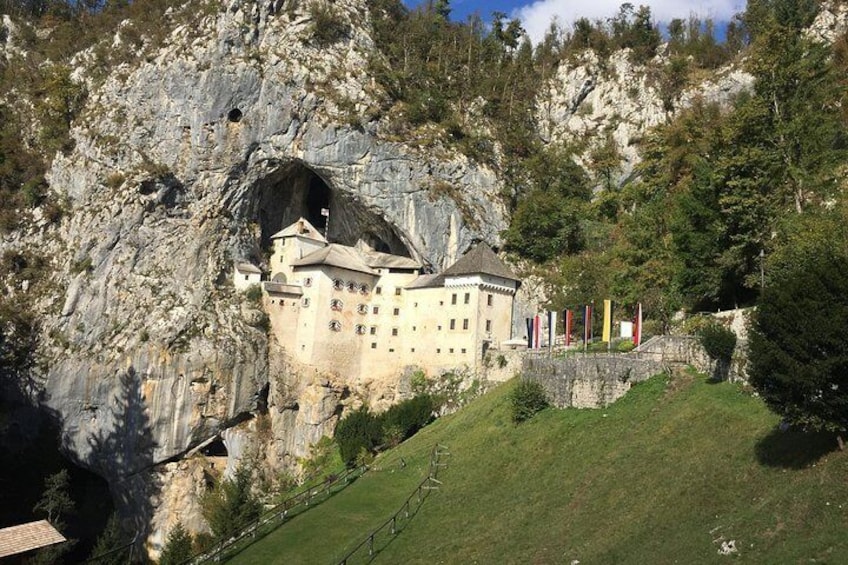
[[186, 162]]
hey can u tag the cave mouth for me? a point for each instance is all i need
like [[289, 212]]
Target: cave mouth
[[215, 449], [294, 190]]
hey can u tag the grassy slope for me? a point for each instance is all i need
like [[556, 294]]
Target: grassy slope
[[656, 478]]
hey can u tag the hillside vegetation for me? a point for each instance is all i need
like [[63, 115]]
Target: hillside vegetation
[[665, 475]]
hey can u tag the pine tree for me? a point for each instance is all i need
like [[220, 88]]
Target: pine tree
[[178, 547]]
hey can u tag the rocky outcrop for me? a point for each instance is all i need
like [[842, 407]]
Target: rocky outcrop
[[590, 103], [242, 122]]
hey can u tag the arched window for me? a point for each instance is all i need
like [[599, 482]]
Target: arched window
[[362, 308], [338, 284], [336, 305], [305, 303], [360, 329], [307, 281], [351, 286], [364, 288], [335, 325]]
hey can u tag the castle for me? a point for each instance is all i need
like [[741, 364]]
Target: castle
[[364, 313]]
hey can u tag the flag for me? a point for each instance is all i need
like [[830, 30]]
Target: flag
[[568, 319], [587, 323], [537, 332], [607, 333], [552, 320], [325, 212], [529, 322], [637, 326]]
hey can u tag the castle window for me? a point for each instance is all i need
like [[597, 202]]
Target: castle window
[[305, 303], [373, 345], [414, 328], [451, 349], [351, 286], [307, 281], [373, 330], [338, 284], [465, 324], [438, 328], [247, 277], [360, 329], [376, 310], [489, 300], [394, 331], [378, 290], [336, 305], [463, 350], [416, 305], [362, 308], [397, 292], [412, 350], [335, 325], [391, 350], [364, 288], [467, 297], [397, 311], [453, 298], [488, 325], [453, 324]]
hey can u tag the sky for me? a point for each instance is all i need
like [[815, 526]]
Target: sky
[[536, 15]]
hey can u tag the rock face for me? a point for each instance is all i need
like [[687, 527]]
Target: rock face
[[187, 162], [591, 103]]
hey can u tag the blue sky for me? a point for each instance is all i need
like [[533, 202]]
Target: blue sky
[[536, 15]]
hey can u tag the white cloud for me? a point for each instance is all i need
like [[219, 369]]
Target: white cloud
[[536, 17]]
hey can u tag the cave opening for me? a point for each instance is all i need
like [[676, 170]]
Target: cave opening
[[215, 449], [295, 190]]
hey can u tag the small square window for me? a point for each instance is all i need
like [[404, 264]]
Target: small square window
[[378, 290], [376, 310], [414, 328], [438, 328], [394, 331], [467, 297], [391, 350], [441, 302], [373, 345], [453, 298], [463, 350], [488, 325], [453, 324], [247, 277], [397, 311], [451, 349], [373, 330], [397, 292], [438, 350], [465, 324], [489, 300], [412, 350], [415, 305]]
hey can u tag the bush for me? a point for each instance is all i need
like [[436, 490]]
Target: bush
[[357, 431], [527, 399], [406, 418], [625, 346], [328, 26], [718, 341]]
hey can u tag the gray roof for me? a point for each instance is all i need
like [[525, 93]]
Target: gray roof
[[248, 268], [427, 281], [301, 228], [384, 260], [480, 260], [336, 255]]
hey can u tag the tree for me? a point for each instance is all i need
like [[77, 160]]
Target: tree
[[798, 360], [110, 539], [56, 503], [178, 547], [231, 505], [357, 431]]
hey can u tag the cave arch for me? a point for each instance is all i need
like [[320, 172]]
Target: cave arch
[[295, 190]]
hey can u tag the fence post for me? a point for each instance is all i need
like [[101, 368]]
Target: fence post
[[419, 494], [371, 545], [393, 524], [407, 508]]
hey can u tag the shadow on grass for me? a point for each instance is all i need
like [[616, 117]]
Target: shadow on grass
[[794, 449]]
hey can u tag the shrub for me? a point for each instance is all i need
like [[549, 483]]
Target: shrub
[[254, 294], [718, 341], [403, 420], [328, 26], [625, 346], [527, 399], [500, 361], [357, 431]]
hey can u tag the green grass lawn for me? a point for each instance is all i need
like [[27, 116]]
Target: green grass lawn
[[662, 476]]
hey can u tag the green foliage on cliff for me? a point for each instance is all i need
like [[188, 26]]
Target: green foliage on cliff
[[232, 504]]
